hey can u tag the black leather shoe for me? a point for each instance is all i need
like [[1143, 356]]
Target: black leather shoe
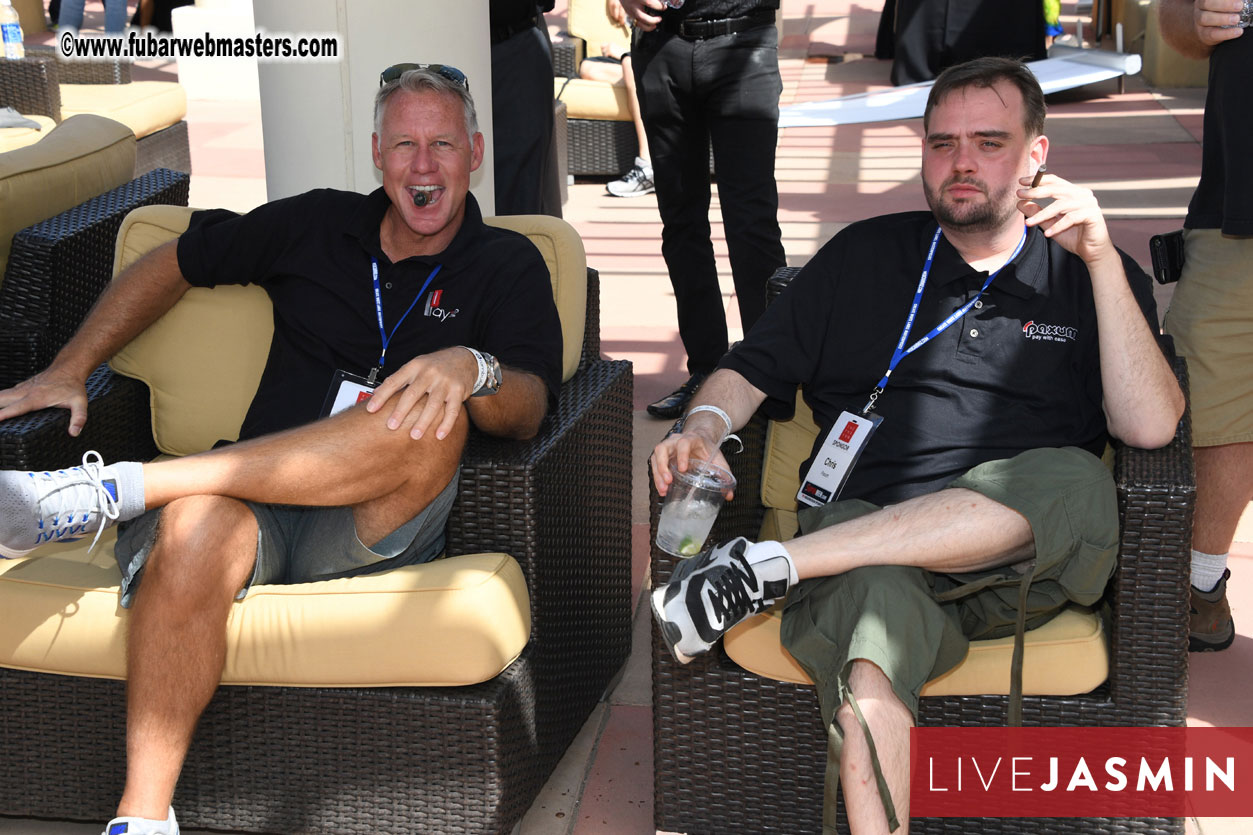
[[675, 403]]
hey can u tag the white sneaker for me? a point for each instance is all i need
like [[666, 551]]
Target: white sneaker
[[635, 183], [37, 508], [142, 826], [710, 593]]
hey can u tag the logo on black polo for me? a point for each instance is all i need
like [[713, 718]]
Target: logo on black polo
[[1049, 333], [433, 308]]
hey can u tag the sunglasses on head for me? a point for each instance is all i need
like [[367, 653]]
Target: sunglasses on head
[[453, 74]]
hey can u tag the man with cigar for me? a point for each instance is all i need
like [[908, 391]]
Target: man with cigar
[[965, 367], [403, 293]]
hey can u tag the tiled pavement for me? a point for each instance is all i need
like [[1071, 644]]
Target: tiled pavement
[[1139, 151]]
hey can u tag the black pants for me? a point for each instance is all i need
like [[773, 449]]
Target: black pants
[[724, 91], [522, 124], [924, 37]]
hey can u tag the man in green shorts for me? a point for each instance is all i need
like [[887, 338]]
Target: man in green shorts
[[966, 367]]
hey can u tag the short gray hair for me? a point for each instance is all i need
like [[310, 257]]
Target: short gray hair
[[426, 80]]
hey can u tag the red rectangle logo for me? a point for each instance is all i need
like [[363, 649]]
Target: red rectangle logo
[[1081, 772], [850, 429]]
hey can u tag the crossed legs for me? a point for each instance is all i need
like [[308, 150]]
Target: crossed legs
[[205, 551]]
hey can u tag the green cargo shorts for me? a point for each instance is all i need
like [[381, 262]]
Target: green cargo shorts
[[916, 625]]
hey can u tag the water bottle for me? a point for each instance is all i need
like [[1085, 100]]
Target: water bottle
[[11, 25]]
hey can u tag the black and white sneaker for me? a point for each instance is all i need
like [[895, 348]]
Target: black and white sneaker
[[635, 183], [712, 592]]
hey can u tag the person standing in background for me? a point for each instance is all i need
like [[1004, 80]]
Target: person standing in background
[[522, 109], [707, 74], [1211, 313], [70, 15]]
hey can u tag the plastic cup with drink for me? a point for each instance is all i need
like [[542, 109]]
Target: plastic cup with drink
[[691, 506]]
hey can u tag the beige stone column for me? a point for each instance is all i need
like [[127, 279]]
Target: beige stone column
[[317, 116]]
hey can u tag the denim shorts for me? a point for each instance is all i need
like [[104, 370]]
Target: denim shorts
[[303, 544]]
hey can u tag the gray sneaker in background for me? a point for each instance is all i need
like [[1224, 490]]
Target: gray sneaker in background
[[635, 183]]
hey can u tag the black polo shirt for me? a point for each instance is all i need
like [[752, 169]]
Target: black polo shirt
[[312, 255], [717, 9], [1019, 371], [1224, 196]]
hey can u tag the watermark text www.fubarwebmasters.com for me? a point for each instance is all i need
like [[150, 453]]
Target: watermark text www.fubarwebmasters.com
[[142, 44]]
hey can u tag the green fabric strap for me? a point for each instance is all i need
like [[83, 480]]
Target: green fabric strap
[[889, 808], [1014, 712], [831, 786], [1014, 719]]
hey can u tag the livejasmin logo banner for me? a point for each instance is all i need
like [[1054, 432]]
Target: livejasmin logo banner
[[1081, 772]]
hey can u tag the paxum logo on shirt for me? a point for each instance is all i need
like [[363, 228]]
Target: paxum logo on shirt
[[432, 308], [1049, 333]]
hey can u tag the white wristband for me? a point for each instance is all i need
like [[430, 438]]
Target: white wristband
[[482, 377], [719, 412]]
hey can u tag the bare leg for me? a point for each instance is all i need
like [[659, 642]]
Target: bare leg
[[206, 548], [889, 722], [954, 530], [1224, 488], [351, 459], [177, 640]]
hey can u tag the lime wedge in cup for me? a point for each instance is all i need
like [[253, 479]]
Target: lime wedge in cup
[[689, 548]]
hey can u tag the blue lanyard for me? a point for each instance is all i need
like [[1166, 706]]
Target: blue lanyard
[[378, 308], [901, 351]]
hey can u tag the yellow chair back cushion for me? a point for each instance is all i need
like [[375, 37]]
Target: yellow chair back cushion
[[143, 106], [587, 19], [79, 159]]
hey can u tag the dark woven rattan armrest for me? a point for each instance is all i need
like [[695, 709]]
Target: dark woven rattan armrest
[[560, 504], [59, 266], [119, 427], [566, 57], [93, 71], [31, 86], [1148, 595]]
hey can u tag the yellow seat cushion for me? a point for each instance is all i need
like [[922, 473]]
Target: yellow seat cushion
[[455, 621], [143, 106], [13, 138], [203, 359], [1064, 657], [586, 99], [79, 159]]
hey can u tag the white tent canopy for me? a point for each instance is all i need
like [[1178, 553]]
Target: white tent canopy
[[1067, 68]]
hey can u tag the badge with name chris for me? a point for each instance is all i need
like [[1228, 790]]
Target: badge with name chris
[[836, 457], [347, 390]]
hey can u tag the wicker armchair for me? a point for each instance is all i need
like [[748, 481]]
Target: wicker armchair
[[731, 746], [599, 145], [373, 759], [32, 86], [58, 267]]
